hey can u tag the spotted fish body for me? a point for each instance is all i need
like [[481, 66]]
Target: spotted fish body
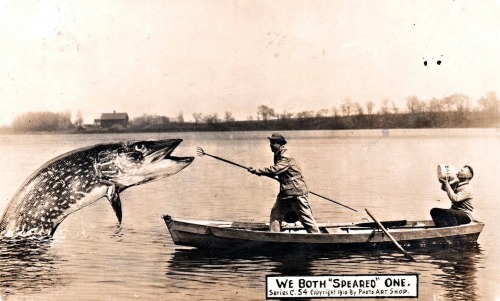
[[81, 177]]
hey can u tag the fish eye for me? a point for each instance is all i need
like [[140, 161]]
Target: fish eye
[[140, 147]]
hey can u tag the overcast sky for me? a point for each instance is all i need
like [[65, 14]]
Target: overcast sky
[[167, 57]]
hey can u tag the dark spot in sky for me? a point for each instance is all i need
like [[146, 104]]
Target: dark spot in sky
[[431, 61]]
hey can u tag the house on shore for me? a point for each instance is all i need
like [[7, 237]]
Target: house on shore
[[109, 120]]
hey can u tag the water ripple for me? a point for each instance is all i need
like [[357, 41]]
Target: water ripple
[[28, 266]]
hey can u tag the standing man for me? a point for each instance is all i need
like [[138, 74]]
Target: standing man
[[293, 188], [461, 197]]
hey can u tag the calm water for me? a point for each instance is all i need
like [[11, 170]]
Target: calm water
[[392, 173]]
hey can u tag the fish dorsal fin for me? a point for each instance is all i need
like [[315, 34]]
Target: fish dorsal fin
[[114, 199]]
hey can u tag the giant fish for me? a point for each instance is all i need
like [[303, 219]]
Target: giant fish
[[78, 178]]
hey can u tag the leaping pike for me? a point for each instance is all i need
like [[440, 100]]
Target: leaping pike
[[79, 178]]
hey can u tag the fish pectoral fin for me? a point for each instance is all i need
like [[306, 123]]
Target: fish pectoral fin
[[114, 200]]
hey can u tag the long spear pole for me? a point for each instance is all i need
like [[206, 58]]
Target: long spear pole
[[202, 153]]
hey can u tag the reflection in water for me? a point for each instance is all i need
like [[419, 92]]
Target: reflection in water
[[458, 271], [228, 274], [191, 269], [27, 266], [200, 266]]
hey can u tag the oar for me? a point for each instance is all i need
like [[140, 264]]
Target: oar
[[202, 153], [390, 236]]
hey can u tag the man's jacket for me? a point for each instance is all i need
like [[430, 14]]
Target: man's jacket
[[289, 174]]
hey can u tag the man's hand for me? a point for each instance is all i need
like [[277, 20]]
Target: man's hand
[[253, 171], [444, 183]]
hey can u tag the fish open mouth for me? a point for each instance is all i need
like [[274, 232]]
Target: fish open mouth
[[163, 150]]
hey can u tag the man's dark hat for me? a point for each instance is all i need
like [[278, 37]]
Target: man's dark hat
[[277, 138]]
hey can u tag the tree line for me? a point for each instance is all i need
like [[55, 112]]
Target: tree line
[[454, 103], [455, 110], [42, 122]]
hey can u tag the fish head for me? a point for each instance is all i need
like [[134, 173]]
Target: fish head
[[137, 162]]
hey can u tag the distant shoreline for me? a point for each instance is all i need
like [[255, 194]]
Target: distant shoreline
[[354, 122]]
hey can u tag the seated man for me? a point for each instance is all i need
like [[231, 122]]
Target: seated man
[[461, 197]]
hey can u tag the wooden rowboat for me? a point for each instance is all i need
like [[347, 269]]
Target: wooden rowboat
[[244, 235]]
